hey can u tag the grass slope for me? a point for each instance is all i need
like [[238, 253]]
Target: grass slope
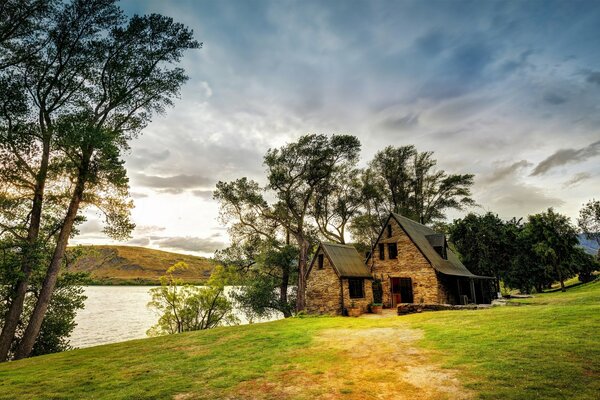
[[547, 349], [126, 265]]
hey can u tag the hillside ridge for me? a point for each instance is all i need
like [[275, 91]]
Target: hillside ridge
[[122, 265]]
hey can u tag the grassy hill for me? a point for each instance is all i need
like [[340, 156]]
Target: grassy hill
[[546, 348], [123, 265]]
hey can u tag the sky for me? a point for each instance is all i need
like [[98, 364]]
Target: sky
[[506, 90]]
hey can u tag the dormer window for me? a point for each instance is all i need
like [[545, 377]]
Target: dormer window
[[438, 242], [441, 250]]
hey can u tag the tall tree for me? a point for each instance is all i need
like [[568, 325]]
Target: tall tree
[[414, 188], [130, 78], [296, 172], [259, 251], [20, 24], [553, 239], [337, 202], [589, 222], [54, 80], [485, 243]]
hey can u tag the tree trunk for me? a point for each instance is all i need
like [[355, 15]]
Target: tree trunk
[[560, 279], [11, 319], [302, 264], [41, 306], [283, 289]]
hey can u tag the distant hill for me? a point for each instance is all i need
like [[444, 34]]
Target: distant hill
[[590, 246], [121, 265]]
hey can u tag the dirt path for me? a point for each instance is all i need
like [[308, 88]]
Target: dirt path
[[373, 363]]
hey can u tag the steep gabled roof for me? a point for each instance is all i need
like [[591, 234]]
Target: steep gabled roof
[[423, 237], [345, 260]]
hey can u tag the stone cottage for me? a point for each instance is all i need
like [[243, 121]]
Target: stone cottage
[[412, 262]]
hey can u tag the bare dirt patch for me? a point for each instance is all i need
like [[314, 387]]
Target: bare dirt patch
[[373, 363]]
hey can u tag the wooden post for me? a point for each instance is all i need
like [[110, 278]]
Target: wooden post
[[473, 297]]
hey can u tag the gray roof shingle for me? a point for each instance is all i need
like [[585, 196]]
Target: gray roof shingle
[[346, 260], [422, 237]]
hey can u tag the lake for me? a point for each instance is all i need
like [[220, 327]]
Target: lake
[[115, 314]]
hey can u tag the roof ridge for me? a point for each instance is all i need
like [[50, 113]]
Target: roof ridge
[[338, 244]]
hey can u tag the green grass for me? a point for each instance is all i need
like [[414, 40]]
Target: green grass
[[546, 348]]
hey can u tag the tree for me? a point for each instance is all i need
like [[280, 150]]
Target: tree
[[183, 307], [337, 202], [368, 222], [413, 188], [553, 240], [20, 23], [260, 249], [589, 222], [94, 86], [296, 172], [485, 243]]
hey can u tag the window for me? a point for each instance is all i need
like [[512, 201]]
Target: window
[[381, 251], [392, 251], [441, 250], [389, 231], [320, 261], [356, 288]]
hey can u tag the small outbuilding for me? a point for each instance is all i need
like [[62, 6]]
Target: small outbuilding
[[337, 278]]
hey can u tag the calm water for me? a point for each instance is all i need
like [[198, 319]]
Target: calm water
[[115, 314]]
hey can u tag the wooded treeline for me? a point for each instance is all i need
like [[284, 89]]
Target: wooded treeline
[[525, 254], [78, 80]]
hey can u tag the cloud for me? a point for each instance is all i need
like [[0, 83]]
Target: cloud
[[142, 241], [577, 179], [506, 171], [518, 200], [187, 243], [143, 158], [405, 122], [554, 99], [593, 77], [148, 229], [567, 156], [90, 227], [203, 194], [172, 184]]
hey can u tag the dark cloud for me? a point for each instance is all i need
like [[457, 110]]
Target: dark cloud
[[567, 156], [518, 200], [506, 171], [172, 184], [142, 158], [401, 123], [577, 179], [203, 194], [554, 99], [431, 44], [138, 195], [148, 229], [205, 245], [142, 241], [594, 77]]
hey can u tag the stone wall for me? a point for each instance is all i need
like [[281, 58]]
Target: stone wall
[[410, 263], [323, 293], [364, 302]]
